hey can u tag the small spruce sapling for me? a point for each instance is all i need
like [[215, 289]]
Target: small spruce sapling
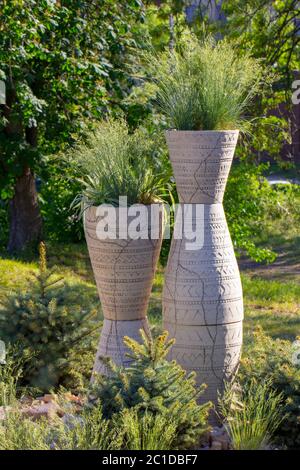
[[154, 385], [42, 320]]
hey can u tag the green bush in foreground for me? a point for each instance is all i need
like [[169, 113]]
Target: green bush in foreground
[[252, 414], [19, 433], [265, 359], [153, 385], [87, 430], [46, 325], [11, 371], [148, 431]]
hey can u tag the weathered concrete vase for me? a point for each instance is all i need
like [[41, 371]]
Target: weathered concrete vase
[[124, 270], [202, 297]]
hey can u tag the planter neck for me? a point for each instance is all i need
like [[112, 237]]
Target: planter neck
[[201, 162]]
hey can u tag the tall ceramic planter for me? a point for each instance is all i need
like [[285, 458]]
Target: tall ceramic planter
[[124, 270], [202, 297]]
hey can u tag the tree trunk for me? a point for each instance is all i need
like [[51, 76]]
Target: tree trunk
[[25, 217]]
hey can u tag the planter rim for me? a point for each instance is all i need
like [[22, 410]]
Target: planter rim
[[137, 204], [148, 206], [91, 218], [202, 132]]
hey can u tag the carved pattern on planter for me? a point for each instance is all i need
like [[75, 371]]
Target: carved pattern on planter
[[201, 163], [111, 341], [202, 296], [124, 270]]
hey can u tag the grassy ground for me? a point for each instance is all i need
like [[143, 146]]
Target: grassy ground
[[271, 293]]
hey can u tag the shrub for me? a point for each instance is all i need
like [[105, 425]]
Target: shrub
[[283, 206], [4, 230], [43, 322], [153, 385], [252, 414], [265, 359], [248, 198], [147, 432], [114, 163], [11, 372], [205, 85], [86, 431], [19, 433]]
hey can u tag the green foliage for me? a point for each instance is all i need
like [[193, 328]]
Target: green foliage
[[248, 198], [88, 430], [252, 414], [10, 376], [59, 187], [18, 433], [147, 432], [151, 384], [284, 206], [205, 85], [114, 163], [269, 29], [64, 64], [85, 431], [253, 207], [44, 321], [157, 26], [61, 65], [269, 133], [269, 359], [3, 223]]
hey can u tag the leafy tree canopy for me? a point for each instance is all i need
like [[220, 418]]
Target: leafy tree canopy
[[63, 62]]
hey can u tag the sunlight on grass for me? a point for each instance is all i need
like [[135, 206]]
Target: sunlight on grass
[[13, 274], [16, 274], [262, 290], [273, 304]]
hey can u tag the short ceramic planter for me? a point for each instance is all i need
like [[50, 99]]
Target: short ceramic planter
[[202, 297], [124, 270]]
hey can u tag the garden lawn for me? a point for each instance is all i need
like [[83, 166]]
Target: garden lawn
[[271, 294]]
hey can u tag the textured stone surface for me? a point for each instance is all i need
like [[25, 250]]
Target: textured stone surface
[[48, 406], [111, 341], [39, 410], [201, 163], [202, 297], [124, 270]]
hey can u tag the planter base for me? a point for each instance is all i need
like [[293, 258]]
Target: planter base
[[112, 342]]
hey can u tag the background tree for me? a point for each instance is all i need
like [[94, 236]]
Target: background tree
[[62, 62], [271, 29]]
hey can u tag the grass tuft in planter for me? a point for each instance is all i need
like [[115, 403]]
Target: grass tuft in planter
[[113, 162], [205, 85]]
